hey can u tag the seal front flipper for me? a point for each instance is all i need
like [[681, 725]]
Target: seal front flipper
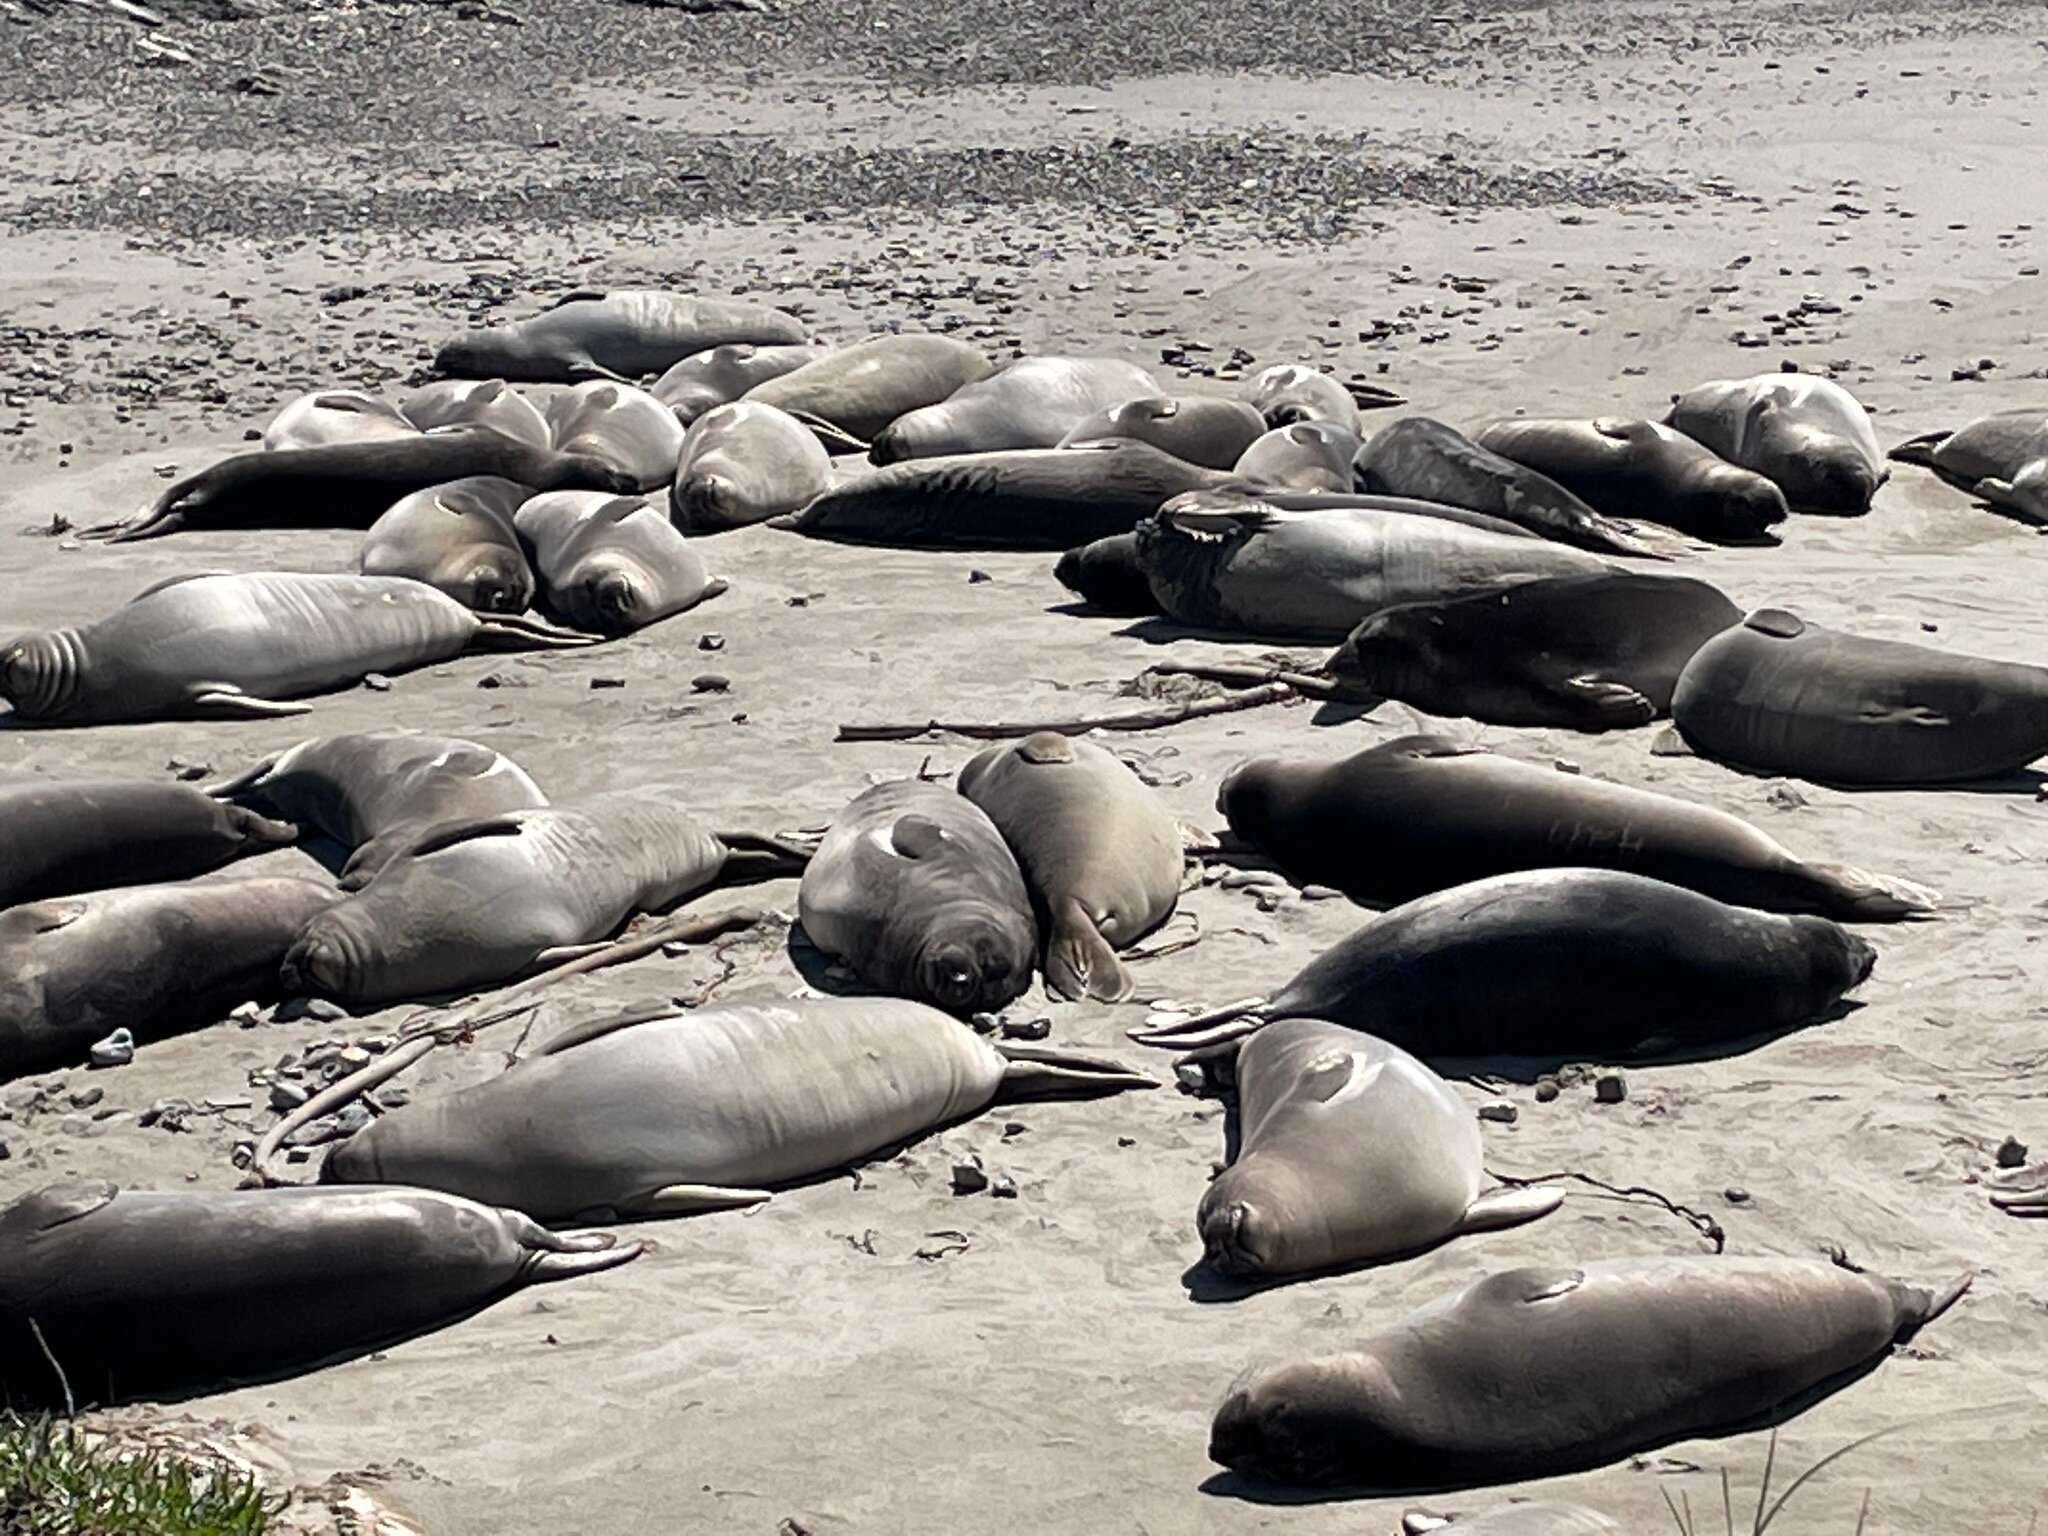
[[753, 856], [1499, 1208], [1998, 493], [690, 1199], [1603, 705], [1079, 961], [1857, 893], [232, 703], [1230, 1022]]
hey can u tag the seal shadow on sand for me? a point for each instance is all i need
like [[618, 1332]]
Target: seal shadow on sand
[[2030, 782]]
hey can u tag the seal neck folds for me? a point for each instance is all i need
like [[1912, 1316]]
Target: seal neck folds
[[39, 674]]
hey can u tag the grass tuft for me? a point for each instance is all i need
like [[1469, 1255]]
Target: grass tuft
[[56, 1481]]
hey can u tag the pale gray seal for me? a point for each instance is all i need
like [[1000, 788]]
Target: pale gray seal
[[145, 1293], [1585, 963], [1349, 1150], [1808, 436], [2000, 459], [152, 959], [1421, 814], [618, 425], [612, 564], [336, 416], [1106, 574], [486, 403], [708, 1109], [1030, 404], [58, 837], [723, 374], [241, 646], [1580, 1367], [621, 335], [745, 463], [915, 889], [1779, 695], [1198, 429], [375, 793], [1100, 853], [458, 538], [847, 397], [1289, 392], [1305, 455]]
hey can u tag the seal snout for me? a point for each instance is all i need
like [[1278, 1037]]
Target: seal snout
[[1234, 1439], [890, 446], [703, 502], [1861, 958], [321, 962], [1230, 1238]]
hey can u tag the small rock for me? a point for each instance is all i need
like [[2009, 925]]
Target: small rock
[[376, 682], [985, 1023], [188, 772], [247, 1015], [976, 578], [2012, 1153], [1026, 1029], [1122, 1141], [1321, 893], [1566, 765], [710, 682], [1014, 1128], [294, 1010], [1784, 797], [1190, 1076], [286, 1096], [1251, 879], [607, 682], [1610, 1088], [117, 1050], [711, 641], [340, 293], [1735, 1195], [1546, 1089], [1502, 1113], [85, 1098], [394, 1098], [5, 1152], [1003, 1187], [968, 1179]]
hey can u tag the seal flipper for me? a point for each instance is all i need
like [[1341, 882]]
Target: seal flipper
[[1601, 705], [2021, 1202], [574, 1257], [234, 704], [1920, 450], [1079, 961], [586, 370], [509, 632], [1499, 1208], [1042, 1074], [1857, 893], [244, 781], [1997, 492], [916, 837], [690, 1199], [754, 856], [831, 434], [1230, 1022]]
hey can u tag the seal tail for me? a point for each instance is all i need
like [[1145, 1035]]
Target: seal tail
[[1919, 450], [1857, 893], [1035, 1073], [510, 632], [1233, 1021], [1079, 961]]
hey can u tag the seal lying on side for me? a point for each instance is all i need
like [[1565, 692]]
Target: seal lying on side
[[152, 959], [721, 375], [655, 1117], [1107, 575], [1033, 403], [1587, 963], [1422, 814], [88, 834], [1590, 653], [487, 403], [237, 646], [1098, 850], [2000, 459], [1306, 455], [1780, 695], [915, 889], [1038, 498], [326, 416], [1642, 469], [745, 463], [612, 564], [376, 792], [848, 397], [1349, 1150], [143, 1293], [619, 336], [1197, 429], [618, 425], [1582, 1367], [458, 538], [1290, 392], [1808, 436]]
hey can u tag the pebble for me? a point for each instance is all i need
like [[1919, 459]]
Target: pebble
[[320, 1010], [1026, 1029], [1734, 1194], [1502, 1113], [117, 1050], [1251, 879], [607, 682], [376, 682], [1321, 893], [1610, 1088], [1190, 1076], [711, 640], [2012, 1153], [85, 1098], [1003, 1187], [286, 1096], [710, 682], [968, 1179]]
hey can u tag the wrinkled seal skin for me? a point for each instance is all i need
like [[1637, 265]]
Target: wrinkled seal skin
[[1349, 1150], [238, 646], [375, 792], [1590, 653], [326, 416], [1643, 469], [745, 463], [853, 394], [1580, 1367], [2001, 459], [1779, 695], [612, 564], [1304, 455], [1421, 814], [89, 834], [1038, 498], [471, 904], [1583, 963], [1197, 429], [1289, 392], [486, 403], [618, 425], [670, 1115], [619, 336], [1106, 574], [723, 374], [154, 959], [458, 538], [1808, 436], [915, 889], [1033, 403], [141, 1294], [1100, 853]]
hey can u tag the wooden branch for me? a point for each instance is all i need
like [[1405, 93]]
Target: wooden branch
[[1141, 720], [1699, 1221]]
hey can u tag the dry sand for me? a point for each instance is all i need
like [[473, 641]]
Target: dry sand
[[873, 1354]]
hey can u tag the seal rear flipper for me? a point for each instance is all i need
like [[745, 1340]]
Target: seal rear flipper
[[755, 856], [589, 371], [243, 782], [1997, 492], [234, 704], [1079, 961], [1371, 397], [1035, 1073], [1601, 705], [508, 632], [2021, 1202], [153, 524], [562, 954], [566, 1263], [1857, 893], [446, 834], [690, 1199], [1918, 1306], [1920, 450], [1230, 1022], [1499, 1208]]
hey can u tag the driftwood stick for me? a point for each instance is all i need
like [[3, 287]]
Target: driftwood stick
[[1708, 1228], [1141, 720]]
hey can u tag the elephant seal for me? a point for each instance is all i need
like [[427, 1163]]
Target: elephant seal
[[1643, 469], [1099, 852], [1030, 404], [375, 793], [620, 336], [1254, 568], [1303, 455], [618, 425], [1535, 1518], [458, 538], [1779, 695], [1107, 575], [1589, 653], [723, 374], [1422, 814], [1196, 429], [147, 1293], [472, 904], [770, 1093], [612, 564], [350, 485], [1808, 436], [1349, 1151], [916, 891], [1291, 392], [471, 402], [1419, 457], [336, 416], [239, 647], [1582, 1366], [60, 837], [850, 396], [1035, 498], [153, 959], [745, 463], [2001, 459], [1586, 963]]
